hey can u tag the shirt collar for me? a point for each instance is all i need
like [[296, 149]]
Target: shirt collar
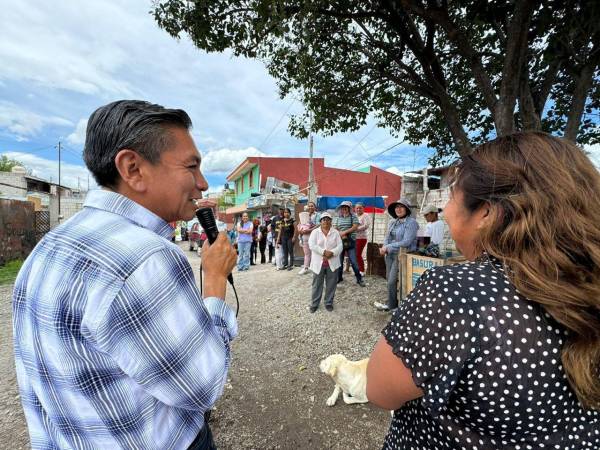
[[116, 203]]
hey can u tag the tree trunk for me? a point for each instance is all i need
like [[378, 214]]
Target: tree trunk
[[514, 64], [461, 140], [582, 86], [503, 117], [530, 119]]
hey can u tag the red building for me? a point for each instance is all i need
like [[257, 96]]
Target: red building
[[251, 175]]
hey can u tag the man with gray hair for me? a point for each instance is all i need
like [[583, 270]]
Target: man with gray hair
[[114, 346]]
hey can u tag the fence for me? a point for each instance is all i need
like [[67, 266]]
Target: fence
[[17, 229], [42, 224]]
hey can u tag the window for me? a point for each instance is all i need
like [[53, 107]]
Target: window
[[251, 179]]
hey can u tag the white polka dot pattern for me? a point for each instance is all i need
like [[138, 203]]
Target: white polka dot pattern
[[489, 363]]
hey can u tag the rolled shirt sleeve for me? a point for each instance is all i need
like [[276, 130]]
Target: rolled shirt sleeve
[[165, 337]]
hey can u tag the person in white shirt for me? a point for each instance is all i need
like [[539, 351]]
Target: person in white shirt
[[434, 230], [326, 246]]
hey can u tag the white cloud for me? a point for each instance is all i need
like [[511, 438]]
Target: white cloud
[[225, 160], [77, 137], [47, 54], [72, 175], [23, 124], [395, 170]]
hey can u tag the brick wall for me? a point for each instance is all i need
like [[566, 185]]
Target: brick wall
[[69, 206], [13, 184], [17, 229], [381, 222]]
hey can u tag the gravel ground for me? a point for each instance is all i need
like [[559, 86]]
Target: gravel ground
[[275, 395]]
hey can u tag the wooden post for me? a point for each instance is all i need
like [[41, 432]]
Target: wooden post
[[373, 227], [401, 274]]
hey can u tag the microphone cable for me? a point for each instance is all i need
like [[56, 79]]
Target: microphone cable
[[207, 221]]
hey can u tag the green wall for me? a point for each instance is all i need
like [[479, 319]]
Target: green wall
[[241, 197]]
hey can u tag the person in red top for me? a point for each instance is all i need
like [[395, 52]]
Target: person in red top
[[361, 235]]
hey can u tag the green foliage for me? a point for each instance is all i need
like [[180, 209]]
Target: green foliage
[[226, 200], [9, 271], [410, 64], [6, 163]]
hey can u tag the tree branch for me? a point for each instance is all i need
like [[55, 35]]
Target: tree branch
[[582, 86], [432, 71], [530, 119], [540, 97], [516, 48], [412, 74], [460, 40]]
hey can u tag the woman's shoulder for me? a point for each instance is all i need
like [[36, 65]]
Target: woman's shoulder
[[480, 281]]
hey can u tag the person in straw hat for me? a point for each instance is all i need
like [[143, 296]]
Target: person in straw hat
[[401, 233]]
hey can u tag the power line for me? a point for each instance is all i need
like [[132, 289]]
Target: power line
[[356, 145], [46, 147], [277, 124], [360, 163], [72, 151]]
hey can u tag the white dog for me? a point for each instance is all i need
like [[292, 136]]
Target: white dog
[[350, 377]]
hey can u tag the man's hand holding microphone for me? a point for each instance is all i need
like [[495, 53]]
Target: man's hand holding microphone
[[218, 259]]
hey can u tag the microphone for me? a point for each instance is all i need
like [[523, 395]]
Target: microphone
[[207, 222]]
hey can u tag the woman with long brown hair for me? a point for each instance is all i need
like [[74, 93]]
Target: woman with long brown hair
[[503, 351]]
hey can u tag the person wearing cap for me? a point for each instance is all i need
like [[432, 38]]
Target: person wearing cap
[[347, 223], [326, 246], [401, 233], [434, 230]]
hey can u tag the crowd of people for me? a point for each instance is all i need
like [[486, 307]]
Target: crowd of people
[[332, 242]]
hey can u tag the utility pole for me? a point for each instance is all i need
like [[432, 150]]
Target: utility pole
[[58, 188], [312, 188]]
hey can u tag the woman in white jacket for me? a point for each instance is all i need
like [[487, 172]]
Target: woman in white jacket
[[325, 244]]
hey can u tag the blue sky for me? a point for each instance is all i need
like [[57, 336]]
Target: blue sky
[[63, 59]]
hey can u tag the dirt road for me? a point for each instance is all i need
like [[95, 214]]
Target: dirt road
[[275, 395]]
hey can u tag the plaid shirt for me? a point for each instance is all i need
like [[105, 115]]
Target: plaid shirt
[[114, 346]]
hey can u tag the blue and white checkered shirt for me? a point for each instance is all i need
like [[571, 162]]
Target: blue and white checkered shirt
[[114, 346]]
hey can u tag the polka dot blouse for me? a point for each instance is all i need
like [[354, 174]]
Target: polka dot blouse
[[488, 361]]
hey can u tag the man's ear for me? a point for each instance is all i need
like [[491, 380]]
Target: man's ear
[[130, 167]]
